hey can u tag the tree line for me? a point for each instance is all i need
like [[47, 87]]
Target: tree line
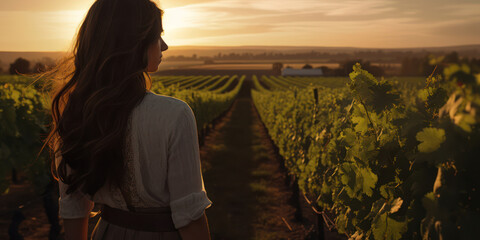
[[410, 65], [422, 66], [23, 66]]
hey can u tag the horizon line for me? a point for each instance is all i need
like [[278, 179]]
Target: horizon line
[[288, 46]]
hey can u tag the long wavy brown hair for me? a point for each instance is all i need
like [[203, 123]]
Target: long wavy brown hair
[[95, 88]]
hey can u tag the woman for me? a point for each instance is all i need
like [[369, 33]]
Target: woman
[[117, 144]]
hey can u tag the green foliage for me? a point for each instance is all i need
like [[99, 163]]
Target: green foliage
[[430, 139], [374, 152], [23, 119], [384, 227], [370, 92]]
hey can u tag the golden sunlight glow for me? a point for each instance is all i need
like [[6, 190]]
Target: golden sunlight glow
[[66, 22], [51, 25], [179, 17], [176, 21]]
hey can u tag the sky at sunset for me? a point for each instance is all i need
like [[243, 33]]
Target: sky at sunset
[[49, 25]]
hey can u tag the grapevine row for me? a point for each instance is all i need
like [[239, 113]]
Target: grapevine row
[[385, 167]]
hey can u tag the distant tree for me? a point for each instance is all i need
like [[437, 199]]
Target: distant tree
[[451, 58], [418, 66], [475, 65], [20, 65], [1, 70], [39, 67], [346, 68], [277, 68], [327, 71], [288, 67], [48, 62], [307, 66], [375, 70], [410, 66]]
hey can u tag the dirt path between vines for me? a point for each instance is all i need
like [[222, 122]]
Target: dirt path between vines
[[244, 181]]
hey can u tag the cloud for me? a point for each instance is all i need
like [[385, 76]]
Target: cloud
[[462, 10], [199, 33], [44, 5], [347, 23], [460, 31], [179, 3], [362, 23]]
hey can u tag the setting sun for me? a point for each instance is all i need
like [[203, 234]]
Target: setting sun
[[175, 20], [70, 22]]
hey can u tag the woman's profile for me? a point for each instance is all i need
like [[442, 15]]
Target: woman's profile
[[116, 143]]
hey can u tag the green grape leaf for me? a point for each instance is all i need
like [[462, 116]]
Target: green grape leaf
[[383, 191], [454, 68], [369, 179], [460, 74], [358, 180], [388, 228], [424, 93], [383, 96], [349, 136], [362, 124], [430, 139]]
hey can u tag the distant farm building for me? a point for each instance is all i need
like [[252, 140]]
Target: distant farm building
[[302, 72]]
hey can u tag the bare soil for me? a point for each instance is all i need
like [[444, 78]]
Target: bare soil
[[244, 180]]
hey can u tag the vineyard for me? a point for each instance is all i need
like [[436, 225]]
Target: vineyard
[[375, 158]]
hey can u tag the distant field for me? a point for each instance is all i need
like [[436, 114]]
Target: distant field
[[168, 65], [258, 66], [249, 65], [239, 64]]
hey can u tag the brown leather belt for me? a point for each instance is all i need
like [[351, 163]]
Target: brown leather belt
[[141, 221]]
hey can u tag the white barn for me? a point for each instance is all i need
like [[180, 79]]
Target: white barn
[[302, 72]]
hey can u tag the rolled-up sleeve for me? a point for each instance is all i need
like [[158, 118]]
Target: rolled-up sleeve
[[74, 205], [188, 198]]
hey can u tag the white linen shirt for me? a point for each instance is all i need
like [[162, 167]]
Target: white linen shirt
[[166, 164]]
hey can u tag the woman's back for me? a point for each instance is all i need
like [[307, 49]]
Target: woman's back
[[162, 165]]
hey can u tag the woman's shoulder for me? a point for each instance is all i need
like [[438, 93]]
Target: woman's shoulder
[[163, 103], [158, 108], [157, 114]]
